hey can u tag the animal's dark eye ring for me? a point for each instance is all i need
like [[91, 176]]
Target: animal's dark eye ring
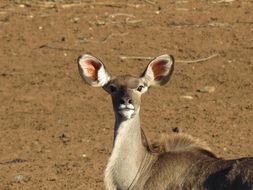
[[112, 88], [140, 88]]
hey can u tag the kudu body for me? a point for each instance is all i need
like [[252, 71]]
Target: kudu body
[[179, 162]]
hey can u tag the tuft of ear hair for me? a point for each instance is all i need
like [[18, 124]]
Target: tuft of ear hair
[[92, 70], [159, 70]]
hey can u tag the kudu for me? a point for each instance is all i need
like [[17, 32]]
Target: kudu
[[179, 162]]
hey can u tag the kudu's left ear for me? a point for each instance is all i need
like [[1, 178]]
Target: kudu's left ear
[[92, 70], [159, 70]]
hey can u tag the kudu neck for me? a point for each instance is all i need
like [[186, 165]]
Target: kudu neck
[[132, 124], [128, 151]]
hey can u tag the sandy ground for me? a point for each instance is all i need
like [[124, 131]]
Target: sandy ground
[[56, 132]]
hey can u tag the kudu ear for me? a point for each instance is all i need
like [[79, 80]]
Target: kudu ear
[[92, 70], [159, 70]]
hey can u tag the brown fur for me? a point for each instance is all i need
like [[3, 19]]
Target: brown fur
[[181, 162], [179, 142]]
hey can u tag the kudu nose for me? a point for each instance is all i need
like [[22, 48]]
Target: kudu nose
[[126, 101]]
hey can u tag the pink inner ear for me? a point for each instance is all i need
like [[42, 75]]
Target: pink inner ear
[[91, 69], [159, 69]]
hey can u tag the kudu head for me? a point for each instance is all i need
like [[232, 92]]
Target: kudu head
[[125, 90]]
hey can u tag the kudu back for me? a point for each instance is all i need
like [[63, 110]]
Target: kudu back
[[178, 162]]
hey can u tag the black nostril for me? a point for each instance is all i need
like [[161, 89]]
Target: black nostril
[[122, 101], [126, 101]]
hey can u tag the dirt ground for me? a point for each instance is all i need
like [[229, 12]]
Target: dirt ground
[[56, 132]]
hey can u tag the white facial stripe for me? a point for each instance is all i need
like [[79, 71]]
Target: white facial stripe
[[126, 113], [130, 106], [144, 89], [122, 106]]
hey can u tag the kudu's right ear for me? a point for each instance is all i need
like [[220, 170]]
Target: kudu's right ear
[[92, 70], [159, 70]]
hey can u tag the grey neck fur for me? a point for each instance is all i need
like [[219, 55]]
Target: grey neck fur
[[127, 155]]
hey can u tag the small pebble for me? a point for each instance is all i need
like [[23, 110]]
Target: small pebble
[[206, 89], [100, 22], [19, 178], [76, 19], [186, 97], [176, 130]]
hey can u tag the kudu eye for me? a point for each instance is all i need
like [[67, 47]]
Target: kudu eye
[[112, 88], [140, 88]]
